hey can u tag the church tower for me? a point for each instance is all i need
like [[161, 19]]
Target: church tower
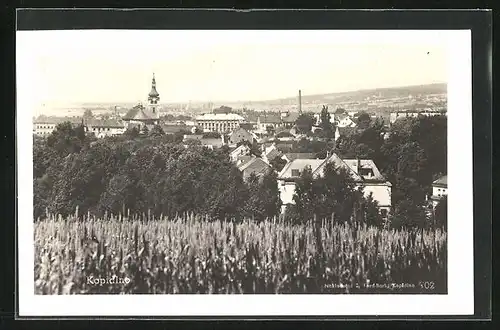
[[153, 97]]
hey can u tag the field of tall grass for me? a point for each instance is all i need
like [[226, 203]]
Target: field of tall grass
[[190, 254]]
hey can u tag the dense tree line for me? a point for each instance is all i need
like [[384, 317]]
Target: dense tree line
[[150, 174], [411, 154]]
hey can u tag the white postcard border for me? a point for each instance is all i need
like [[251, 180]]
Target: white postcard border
[[458, 301]]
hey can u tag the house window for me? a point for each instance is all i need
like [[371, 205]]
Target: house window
[[295, 172]]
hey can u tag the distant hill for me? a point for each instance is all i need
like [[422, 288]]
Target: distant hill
[[360, 95], [312, 100]]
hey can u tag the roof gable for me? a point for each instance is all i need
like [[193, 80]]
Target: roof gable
[[365, 164], [255, 165], [139, 113], [339, 163], [269, 119], [291, 117], [442, 181], [299, 164]]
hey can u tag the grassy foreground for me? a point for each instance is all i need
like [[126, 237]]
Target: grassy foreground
[[192, 255]]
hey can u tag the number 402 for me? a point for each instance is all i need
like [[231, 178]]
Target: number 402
[[427, 285]]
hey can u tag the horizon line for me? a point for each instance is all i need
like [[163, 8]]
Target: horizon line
[[253, 101]]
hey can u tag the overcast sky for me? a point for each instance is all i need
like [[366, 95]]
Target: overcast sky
[[117, 66]]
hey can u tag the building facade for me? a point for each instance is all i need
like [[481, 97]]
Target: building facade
[[439, 190], [45, 127], [103, 128], [219, 122], [363, 171], [240, 135]]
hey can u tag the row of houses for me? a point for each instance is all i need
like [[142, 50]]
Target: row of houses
[[363, 171], [413, 114]]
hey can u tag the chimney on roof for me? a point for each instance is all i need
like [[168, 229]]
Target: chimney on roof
[[300, 101]]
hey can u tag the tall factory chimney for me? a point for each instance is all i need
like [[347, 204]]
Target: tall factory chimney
[[300, 101]]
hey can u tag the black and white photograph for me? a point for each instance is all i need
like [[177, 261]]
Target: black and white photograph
[[200, 163]]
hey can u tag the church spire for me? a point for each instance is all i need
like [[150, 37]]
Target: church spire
[[154, 93], [153, 96]]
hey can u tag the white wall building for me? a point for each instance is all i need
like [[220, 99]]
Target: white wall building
[[219, 122], [43, 129], [439, 189], [364, 172], [103, 128]]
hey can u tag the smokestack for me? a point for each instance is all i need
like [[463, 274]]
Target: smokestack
[[300, 101]]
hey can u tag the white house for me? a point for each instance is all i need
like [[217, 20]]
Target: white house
[[270, 153], [219, 122], [242, 150], [103, 128], [363, 171], [346, 121], [266, 120], [439, 189], [45, 127]]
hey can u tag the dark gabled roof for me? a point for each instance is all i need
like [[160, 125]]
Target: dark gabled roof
[[291, 117], [270, 118], [251, 117], [58, 120], [284, 147], [240, 130], [273, 154], [442, 181], [256, 166], [139, 112], [104, 123]]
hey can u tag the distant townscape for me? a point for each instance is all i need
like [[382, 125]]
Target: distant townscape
[[270, 130], [282, 196]]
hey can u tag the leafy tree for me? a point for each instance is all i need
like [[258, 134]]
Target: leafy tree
[[441, 213], [338, 190], [120, 195], [371, 211], [156, 131], [408, 214], [211, 135], [270, 194], [41, 195], [131, 133], [333, 194], [364, 120], [192, 142], [304, 196], [87, 114], [278, 163], [65, 139], [327, 128], [304, 123]]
